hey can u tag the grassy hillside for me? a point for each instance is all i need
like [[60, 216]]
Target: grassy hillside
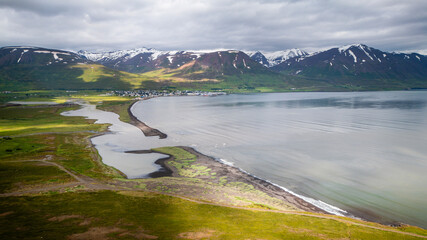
[[98, 77], [28, 77]]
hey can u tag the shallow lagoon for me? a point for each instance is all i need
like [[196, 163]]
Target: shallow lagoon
[[364, 152], [122, 137]]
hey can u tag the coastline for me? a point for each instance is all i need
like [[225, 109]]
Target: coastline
[[224, 170], [148, 131], [234, 174]]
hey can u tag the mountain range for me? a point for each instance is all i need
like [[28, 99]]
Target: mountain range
[[346, 68], [144, 59]]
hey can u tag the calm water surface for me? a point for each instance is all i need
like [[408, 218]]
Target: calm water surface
[[121, 138], [362, 152]]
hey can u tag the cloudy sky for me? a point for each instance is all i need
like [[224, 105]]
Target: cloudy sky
[[390, 25]]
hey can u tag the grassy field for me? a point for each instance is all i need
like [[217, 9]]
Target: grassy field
[[58, 96], [39, 119], [142, 215], [42, 153]]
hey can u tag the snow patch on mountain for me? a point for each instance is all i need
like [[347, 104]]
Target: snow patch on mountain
[[367, 54], [22, 53], [170, 58], [347, 47], [353, 55]]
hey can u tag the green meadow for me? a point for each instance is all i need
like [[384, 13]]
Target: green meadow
[[144, 215]]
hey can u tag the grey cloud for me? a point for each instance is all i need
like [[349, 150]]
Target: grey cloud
[[240, 24]]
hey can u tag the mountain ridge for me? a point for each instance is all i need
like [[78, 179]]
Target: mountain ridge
[[144, 59], [346, 68]]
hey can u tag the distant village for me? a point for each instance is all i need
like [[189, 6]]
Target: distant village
[[155, 93]]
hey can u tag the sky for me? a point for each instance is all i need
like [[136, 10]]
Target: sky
[[266, 25]]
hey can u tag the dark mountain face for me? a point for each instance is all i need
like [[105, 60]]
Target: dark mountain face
[[141, 60], [260, 58], [357, 61], [37, 56], [175, 60], [147, 62], [217, 64]]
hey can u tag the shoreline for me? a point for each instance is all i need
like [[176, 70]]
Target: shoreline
[[271, 189], [148, 131], [235, 174], [228, 171]]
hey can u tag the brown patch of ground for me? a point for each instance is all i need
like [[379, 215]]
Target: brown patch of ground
[[63, 217], [206, 234], [139, 234], [187, 65], [85, 222], [95, 233], [5, 214], [305, 231]]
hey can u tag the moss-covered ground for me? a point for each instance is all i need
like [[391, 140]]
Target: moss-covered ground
[[119, 107]]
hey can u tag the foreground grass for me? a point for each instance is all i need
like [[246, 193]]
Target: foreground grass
[[136, 215]]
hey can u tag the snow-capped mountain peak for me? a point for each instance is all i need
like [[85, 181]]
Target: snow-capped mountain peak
[[271, 59], [358, 45], [38, 56], [360, 53], [141, 59], [124, 54]]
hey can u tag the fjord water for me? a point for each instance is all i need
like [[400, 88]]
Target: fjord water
[[364, 152]]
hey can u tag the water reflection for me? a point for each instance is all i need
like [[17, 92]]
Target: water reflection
[[351, 103]]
